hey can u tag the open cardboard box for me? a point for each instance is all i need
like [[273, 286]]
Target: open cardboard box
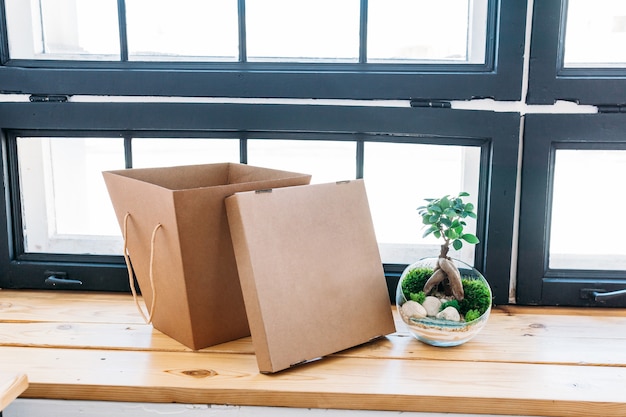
[[310, 271], [197, 294]]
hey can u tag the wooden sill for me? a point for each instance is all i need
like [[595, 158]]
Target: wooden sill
[[526, 361], [11, 386]]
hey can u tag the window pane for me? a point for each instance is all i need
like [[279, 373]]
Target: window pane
[[325, 161], [587, 202], [450, 31], [63, 29], [65, 204], [595, 34], [183, 30], [399, 177], [287, 30], [150, 152]]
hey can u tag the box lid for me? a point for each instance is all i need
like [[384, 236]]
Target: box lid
[[310, 271]]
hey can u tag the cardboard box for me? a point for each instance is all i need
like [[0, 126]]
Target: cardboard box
[[198, 294], [310, 271]]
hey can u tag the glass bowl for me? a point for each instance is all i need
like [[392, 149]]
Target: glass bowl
[[438, 331]]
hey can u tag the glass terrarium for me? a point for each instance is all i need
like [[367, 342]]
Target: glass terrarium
[[429, 314]]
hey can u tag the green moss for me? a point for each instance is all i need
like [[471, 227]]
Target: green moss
[[472, 315], [418, 297], [477, 297], [450, 303], [414, 281]]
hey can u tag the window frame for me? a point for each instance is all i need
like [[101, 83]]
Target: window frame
[[496, 133], [544, 134], [500, 77], [549, 81]]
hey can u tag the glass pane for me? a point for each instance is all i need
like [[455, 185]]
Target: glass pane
[[300, 31], [162, 152], [63, 29], [399, 177], [587, 202], [595, 34], [65, 204], [190, 30], [448, 31], [325, 161]]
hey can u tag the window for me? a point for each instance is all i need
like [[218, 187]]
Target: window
[[579, 241], [594, 33], [578, 53], [474, 146], [65, 205], [359, 49], [569, 240], [155, 87], [567, 249], [274, 30], [397, 188]]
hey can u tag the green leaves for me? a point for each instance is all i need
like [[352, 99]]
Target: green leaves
[[470, 238], [430, 230], [443, 217]]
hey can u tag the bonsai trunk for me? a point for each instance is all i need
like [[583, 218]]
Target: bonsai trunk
[[447, 274]]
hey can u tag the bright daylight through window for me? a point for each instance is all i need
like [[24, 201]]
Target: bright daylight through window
[[57, 219], [578, 239], [66, 209], [397, 31], [595, 34]]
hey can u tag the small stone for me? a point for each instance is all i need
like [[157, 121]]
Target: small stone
[[413, 309], [432, 305], [449, 313]]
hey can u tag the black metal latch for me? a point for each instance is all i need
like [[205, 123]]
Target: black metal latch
[[60, 279], [611, 108], [42, 98], [601, 295], [437, 104]]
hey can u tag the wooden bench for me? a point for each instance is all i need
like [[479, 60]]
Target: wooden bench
[[11, 386], [527, 361]]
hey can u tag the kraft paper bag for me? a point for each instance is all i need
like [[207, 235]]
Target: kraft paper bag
[[179, 245]]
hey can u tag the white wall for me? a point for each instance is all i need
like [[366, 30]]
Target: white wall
[[54, 408]]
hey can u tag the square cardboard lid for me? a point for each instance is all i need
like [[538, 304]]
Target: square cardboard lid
[[310, 271]]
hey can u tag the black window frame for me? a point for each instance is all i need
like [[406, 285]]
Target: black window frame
[[537, 284], [496, 133], [550, 81], [499, 78]]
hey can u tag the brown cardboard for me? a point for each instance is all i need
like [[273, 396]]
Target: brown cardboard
[[198, 294], [310, 271]]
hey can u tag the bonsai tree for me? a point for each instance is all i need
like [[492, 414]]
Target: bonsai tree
[[444, 218]]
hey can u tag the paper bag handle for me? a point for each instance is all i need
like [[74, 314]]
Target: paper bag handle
[[147, 319]]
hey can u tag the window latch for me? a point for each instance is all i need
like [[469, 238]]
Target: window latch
[[437, 104], [41, 98], [60, 279], [601, 295], [611, 108]]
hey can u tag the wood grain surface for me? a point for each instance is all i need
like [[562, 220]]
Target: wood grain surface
[[529, 361], [11, 386]]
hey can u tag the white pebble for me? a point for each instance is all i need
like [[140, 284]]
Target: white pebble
[[449, 313], [432, 305], [413, 309]]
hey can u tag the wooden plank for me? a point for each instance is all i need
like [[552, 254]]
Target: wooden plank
[[98, 307], [530, 338], [103, 336], [68, 306], [11, 386], [523, 338], [336, 382], [532, 361]]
